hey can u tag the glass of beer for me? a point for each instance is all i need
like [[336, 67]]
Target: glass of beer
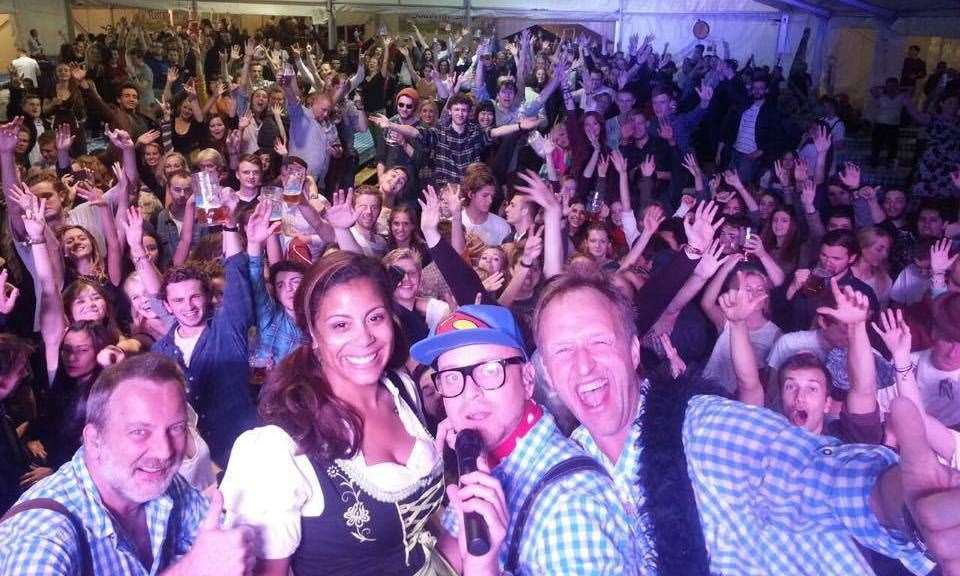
[[818, 280], [210, 209], [273, 195], [293, 180]]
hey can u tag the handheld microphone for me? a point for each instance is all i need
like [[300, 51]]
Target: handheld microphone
[[467, 447]]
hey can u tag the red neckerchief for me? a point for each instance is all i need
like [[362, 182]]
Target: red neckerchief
[[532, 413]]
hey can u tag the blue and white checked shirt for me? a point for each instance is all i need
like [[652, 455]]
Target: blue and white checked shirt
[[277, 331], [42, 543], [773, 498], [577, 526]]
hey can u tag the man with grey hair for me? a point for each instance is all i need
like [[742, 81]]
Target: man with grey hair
[[119, 506]]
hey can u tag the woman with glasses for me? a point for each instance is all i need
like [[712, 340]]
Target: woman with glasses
[[344, 476]]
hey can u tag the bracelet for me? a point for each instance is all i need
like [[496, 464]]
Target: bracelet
[[694, 250], [35, 241], [905, 369], [138, 258], [226, 228]]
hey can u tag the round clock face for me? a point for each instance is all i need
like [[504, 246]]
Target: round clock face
[[701, 29]]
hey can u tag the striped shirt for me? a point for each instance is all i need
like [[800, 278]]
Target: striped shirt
[[747, 134], [773, 498], [43, 543]]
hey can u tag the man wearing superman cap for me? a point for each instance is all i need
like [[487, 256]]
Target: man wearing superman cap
[[575, 524]]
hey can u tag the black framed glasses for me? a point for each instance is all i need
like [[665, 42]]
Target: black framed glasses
[[488, 375]]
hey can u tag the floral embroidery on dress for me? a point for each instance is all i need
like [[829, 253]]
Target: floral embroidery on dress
[[357, 515]]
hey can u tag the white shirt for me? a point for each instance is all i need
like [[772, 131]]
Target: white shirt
[[910, 286], [186, 344], [269, 485], [747, 134], [887, 110], [492, 231], [794, 343], [719, 367], [936, 387], [28, 68], [374, 247]]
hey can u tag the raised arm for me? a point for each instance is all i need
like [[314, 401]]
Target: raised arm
[[147, 270], [96, 198], [895, 333], [709, 301], [540, 192], [341, 215], [52, 318], [737, 306], [853, 310]]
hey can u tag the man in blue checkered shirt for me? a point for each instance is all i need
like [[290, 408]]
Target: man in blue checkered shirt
[[577, 525], [137, 514], [715, 486]]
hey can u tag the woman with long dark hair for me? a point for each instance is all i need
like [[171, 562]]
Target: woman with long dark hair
[[343, 476]]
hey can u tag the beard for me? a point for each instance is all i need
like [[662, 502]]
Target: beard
[[127, 480]]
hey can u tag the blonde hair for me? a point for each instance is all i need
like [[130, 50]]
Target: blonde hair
[[208, 155]]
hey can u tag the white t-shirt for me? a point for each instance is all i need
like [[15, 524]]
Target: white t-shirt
[[719, 367], [269, 485], [374, 247], [186, 344], [793, 343], [939, 390], [492, 231], [910, 286]]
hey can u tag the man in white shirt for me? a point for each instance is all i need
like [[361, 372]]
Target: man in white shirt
[[479, 187], [27, 67], [888, 104]]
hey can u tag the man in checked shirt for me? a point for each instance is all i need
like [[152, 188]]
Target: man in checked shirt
[[719, 487], [576, 525]]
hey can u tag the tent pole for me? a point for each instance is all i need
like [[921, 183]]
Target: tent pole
[[467, 14], [618, 29], [331, 27]]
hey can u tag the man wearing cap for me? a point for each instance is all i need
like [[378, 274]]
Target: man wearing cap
[[576, 524], [717, 487], [395, 149]]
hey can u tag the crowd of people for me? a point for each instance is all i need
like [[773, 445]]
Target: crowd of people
[[692, 336]]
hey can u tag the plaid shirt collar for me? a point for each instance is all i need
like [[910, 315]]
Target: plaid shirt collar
[[94, 514]]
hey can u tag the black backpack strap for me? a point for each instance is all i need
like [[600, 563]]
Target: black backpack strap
[[412, 397], [554, 474], [52, 505]]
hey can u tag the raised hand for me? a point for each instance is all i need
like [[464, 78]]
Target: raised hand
[[493, 282], [602, 165], [429, 213], [538, 191], [930, 490], [341, 213], [8, 294], [821, 140], [233, 142], [712, 260], [677, 364], [120, 138], [648, 166], [134, 230], [852, 307], [259, 228], [173, 72], [451, 199], [619, 162], [148, 137], [895, 333], [245, 120], [34, 221], [801, 173], [850, 175], [64, 137], [379, 120], [754, 245], [9, 133], [280, 147], [732, 179], [737, 305], [93, 195], [700, 227], [783, 175], [653, 217], [940, 258], [529, 123], [705, 92], [808, 193], [690, 163]]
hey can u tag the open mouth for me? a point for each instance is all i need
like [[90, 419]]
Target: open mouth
[[799, 417], [152, 474], [361, 360], [593, 394]]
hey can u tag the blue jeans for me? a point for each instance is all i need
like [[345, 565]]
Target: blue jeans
[[747, 168]]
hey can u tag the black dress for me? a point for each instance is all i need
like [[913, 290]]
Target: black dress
[[360, 533]]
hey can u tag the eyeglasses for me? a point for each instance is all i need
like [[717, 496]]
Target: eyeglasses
[[404, 105], [488, 375]]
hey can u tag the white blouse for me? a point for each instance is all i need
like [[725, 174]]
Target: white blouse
[[269, 485]]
